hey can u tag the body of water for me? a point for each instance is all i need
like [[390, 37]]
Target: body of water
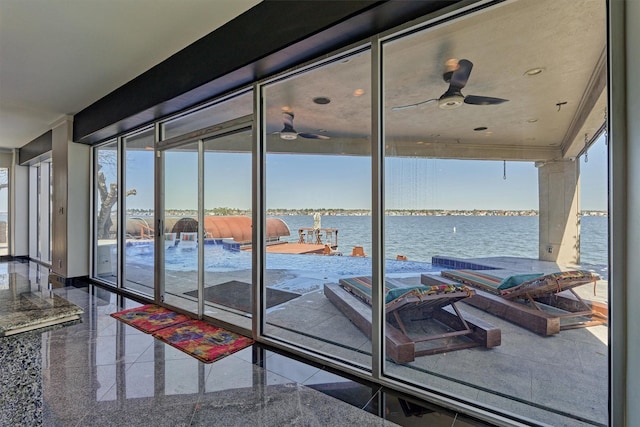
[[416, 237], [421, 237]]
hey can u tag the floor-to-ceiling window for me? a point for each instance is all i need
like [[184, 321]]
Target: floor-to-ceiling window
[[205, 210], [180, 196], [40, 194], [483, 180], [137, 200], [228, 227], [105, 212], [4, 211], [124, 228], [317, 174], [469, 155]]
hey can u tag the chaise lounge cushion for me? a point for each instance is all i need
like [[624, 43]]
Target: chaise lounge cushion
[[361, 286], [516, 280], [539, 285], [554, 282], [419, 291]]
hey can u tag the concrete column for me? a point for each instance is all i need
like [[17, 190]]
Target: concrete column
[[559, 207]]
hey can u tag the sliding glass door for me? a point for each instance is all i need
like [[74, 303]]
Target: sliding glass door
[[205, 222], [106, 212], [4, 211], [227, 224], [318, 182], [39, 212], [137, 200], [179, 227], [360, 195]]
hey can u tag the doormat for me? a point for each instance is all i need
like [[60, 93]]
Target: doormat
[[203, 341], [237, 295], [150, 318]]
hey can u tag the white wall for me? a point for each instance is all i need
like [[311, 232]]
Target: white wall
[[71, 189], [78, 205]]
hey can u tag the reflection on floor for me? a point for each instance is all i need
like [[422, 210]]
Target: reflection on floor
[[557, 380], [23, 309], [103, 372]]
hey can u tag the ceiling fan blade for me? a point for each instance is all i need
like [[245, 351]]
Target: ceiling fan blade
[[461, 75], [288, 119], [402, 107], [483, 100], [288, 129], [312, 136]]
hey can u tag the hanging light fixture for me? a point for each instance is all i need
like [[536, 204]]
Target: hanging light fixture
[[586, 148]]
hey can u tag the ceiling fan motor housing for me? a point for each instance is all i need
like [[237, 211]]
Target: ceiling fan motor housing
[[451, 99]]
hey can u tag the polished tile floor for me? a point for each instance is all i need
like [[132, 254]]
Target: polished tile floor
[[101, 372]]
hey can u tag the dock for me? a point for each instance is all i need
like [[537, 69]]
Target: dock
[[296, 248], [320, 241]]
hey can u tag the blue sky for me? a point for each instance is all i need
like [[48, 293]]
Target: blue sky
[[593, 175], [295, 181]]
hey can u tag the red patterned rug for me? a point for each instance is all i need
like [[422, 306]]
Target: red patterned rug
[[203, 341], [150, 318]]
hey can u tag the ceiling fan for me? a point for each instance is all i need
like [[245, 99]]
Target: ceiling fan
[[457, 76], [289, 133]]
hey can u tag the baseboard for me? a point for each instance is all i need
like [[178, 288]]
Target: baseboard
[[19, 258], [58, 281]]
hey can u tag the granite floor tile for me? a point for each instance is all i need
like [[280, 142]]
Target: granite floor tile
[[287, 367], [69, 393], [282, 405], [102, 372], [161, 416], [21, 389]]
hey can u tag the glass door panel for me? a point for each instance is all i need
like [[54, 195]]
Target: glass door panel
[[4, 211], [106, 208], [318, 188], [138, 204], [44, 209], [228, 227], [50, 212], [466, 196], [205, 207], [39, 212], [180, 270]]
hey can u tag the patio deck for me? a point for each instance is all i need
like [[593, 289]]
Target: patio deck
[[560, 380]]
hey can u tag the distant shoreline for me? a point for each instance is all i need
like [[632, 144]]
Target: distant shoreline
[[357, 212]]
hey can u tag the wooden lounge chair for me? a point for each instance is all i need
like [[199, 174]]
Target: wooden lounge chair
[[432, 303], [188, 240], [533, 301], [170, 240]]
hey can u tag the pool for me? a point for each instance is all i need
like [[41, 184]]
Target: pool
[[218, 259]]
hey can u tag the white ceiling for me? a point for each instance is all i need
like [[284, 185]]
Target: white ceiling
[[59, 56], [564, 38]]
